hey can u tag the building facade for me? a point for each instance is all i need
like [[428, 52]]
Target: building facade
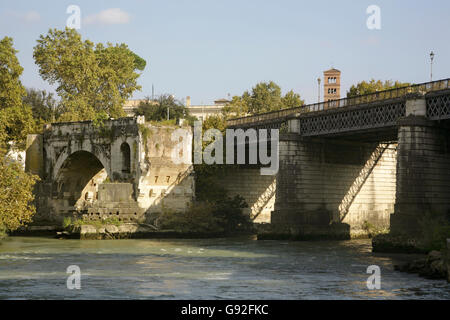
[[332, 85], [201, 112]]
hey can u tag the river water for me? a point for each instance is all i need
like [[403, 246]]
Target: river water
[[35, 268]]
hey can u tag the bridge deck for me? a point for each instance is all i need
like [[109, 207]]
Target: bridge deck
[[376, 109]]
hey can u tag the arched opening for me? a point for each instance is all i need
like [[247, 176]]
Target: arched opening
[[78, 179], [126, 160]]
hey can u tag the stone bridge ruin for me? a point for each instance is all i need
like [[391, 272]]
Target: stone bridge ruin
[[122, 169]]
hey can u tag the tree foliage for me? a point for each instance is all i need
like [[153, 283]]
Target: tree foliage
[[43, 106], [166, 107], [264, 97], [366, 87], [90, 78], [16, 119], [16, 208]]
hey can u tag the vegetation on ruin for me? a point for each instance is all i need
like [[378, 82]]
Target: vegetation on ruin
[[214, 211], [70, 224], [219, 216]]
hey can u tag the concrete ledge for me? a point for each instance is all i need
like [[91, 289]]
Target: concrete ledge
[[416, 121]]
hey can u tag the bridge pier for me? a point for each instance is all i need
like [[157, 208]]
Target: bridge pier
[[423, 178], [333, 189]]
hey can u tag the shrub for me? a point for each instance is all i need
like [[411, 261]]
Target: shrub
[[223, 216], [435, 229]]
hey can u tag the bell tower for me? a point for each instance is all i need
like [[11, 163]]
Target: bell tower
[[331, 85]]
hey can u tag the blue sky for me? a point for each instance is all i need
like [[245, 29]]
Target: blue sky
[[208, 49]]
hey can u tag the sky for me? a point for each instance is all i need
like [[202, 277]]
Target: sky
[[209, 49]]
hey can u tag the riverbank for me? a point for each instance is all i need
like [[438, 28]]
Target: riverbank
[[115, 232], [434, 265]]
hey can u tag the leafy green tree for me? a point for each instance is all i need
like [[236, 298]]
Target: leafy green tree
[[291, 100], [90, 78], [16, 119], [16, 196], [264, 97], [43, 105], [166, 107], [373, 86]]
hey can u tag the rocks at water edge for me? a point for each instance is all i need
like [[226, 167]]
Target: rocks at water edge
[[434, 266]]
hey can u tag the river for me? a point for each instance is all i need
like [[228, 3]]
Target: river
[[241, 268]]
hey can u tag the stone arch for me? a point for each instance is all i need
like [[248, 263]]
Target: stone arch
[[78, 178], [61, 159]]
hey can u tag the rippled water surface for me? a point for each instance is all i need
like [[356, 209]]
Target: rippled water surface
[[35, 268]]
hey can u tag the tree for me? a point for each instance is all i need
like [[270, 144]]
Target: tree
[[372, 86], [16, 119], [291, 100], [16, 196], [90, 78], [264, 97], [159, 110], [43, 105]]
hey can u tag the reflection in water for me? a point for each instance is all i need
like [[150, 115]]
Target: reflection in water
[[35, 268]]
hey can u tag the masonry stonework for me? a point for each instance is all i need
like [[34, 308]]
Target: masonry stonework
[[323, 182], [423, 180], [257, 190], [123, 168]]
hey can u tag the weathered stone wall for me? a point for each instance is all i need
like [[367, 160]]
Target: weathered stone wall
[[323, 181], [123, 169], [163, 183], [257, 190], [423, 183]]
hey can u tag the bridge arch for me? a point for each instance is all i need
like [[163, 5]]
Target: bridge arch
[[97, 152], [78, 178]]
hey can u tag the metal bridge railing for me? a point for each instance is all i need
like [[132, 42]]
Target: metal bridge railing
[[344, 102]]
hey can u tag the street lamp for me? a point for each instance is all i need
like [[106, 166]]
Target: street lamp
[[431, 58], [318, 82]]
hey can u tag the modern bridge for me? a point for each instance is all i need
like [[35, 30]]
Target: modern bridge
[[380, 160]]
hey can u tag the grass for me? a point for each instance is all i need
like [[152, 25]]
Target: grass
[[372, 230], [70, 224]]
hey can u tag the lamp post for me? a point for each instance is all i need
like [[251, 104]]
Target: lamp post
[[431, 58], [318, 82]]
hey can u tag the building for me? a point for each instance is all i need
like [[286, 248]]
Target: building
[[131, 105], [331, 85], [201, 112]]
